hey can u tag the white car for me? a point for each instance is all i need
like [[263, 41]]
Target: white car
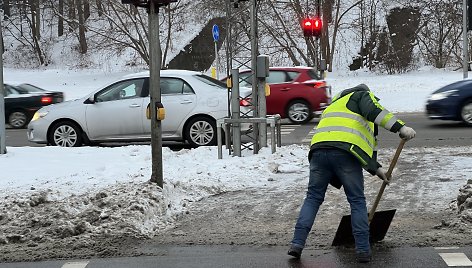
[[192, 101]]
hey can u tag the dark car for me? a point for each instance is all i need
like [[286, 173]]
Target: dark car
[[452, 102], [296, 93], [22, 101]]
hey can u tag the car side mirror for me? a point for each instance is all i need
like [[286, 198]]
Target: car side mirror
[[90, 100]]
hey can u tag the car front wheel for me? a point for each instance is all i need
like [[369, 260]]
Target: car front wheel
[[65, 134], [18, 119], [299, 112], [201, 131], [466, 113]]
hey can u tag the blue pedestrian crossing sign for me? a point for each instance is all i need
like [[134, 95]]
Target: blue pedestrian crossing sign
[[216, 32]]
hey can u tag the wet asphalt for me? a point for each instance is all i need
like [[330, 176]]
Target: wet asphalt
[[273, 257]]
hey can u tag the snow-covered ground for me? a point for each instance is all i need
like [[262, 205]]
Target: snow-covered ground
[[30, 176]]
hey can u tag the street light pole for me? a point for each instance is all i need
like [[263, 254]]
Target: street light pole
[[155, 93], [465, 59], [3, 148], [156, 108]]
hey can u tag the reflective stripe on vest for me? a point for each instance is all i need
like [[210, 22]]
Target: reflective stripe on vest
[[338, 123]]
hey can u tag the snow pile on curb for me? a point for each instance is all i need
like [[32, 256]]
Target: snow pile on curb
[[464, 203], [127, 204]]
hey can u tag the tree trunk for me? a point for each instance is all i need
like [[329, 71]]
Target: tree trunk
[[99, 7], [37, 18], [86, 9], [82, 40], [34, 11], [6, 9], [337, 21], [333, 42], [327, 18], [60, 23], [71, 17], [362, 18]]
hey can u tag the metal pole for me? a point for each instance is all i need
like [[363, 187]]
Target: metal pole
[[262, 112], [155, 93], [217, 61], [228, 40], [465, 59], [229, 66], [3, 148], [235, 113], [254, 52], [229, 52], [219, 122]]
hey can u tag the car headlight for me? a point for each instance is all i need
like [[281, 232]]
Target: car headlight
[[39, 114], [443, 95]]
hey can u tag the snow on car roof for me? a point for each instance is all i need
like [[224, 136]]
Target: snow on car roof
[[163, 72]]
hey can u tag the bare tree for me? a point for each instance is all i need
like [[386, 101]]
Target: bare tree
[[6, 9], [282, 33], [25, 27], [440, 32], [336, 26], [82, 39], [60, 20], [125, 26], [99, 7], [71, 19]]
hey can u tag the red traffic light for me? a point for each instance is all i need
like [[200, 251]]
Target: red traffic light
[[312, 26], [307, 26], [317, 23], [307, 23]]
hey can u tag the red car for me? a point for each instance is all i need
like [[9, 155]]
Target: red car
[[296, 93]]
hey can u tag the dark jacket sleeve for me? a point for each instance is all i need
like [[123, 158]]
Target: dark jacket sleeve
[[369, 107], [372, 110]]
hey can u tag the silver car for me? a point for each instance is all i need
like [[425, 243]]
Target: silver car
[[117, 112]]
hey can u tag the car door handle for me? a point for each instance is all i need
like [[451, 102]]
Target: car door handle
[[134, 105], [285, 89], [186, 101]]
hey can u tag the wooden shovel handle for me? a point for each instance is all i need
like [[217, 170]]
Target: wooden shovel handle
[[389, 175]]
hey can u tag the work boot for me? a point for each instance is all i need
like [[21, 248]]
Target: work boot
[[295, 251], [363, 257]]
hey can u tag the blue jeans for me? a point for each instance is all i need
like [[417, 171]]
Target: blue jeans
[[324, 165]]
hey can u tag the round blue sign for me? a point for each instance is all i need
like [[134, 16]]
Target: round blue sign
[[216, 32]]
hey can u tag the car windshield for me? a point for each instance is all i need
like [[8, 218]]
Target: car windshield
[[210, 81]]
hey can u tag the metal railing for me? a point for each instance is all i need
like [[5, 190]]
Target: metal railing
[[234, 125]]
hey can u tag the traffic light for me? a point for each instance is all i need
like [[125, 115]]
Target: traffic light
[[312, 26], [307, 26], [317, 26]]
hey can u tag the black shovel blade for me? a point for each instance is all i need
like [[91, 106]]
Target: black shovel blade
[[378, 228]]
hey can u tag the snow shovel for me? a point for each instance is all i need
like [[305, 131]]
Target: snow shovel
[[378, 221]]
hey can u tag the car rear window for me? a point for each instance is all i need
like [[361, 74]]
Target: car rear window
[[313, 74], [292, 75], [30, 88], [276, 77], [12, 90], [174, 86], [210, 81]]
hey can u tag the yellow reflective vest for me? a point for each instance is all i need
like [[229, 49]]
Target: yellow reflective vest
[[339, 124]]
